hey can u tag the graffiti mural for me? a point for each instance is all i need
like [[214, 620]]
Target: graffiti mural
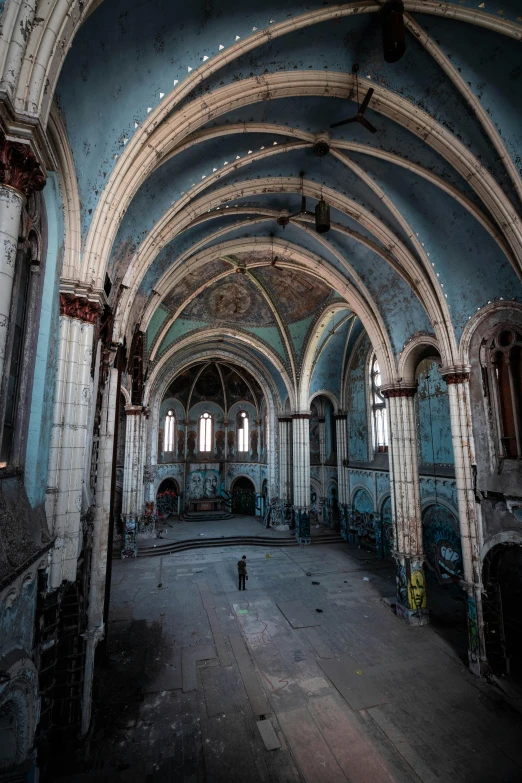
[[203, 484], [441, 539], [473, 632], [417, 589], [402, 584], [363, 520], [386, 529]]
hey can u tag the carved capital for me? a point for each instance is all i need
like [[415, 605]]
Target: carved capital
[[340, 416], [19, 168], [301, 416], [78, 307], [398, 391], [133, 410], [455, 374]]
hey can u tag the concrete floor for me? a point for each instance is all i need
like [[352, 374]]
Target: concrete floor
[[360, 697], [173, 529]]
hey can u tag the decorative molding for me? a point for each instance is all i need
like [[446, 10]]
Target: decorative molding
[[455, 374], [285, 418], [340, 416], [398, 391], [79, 307], [134, 410], [301, 415], [19, 168]]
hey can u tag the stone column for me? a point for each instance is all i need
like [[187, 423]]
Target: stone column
[[457, 379], [405, 489], [285, 458], [342, 460], [69, 434], [132, 476], [323, 500], [95, 626], [20, 175], [301, 473]]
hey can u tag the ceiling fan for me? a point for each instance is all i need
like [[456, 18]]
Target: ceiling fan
[[359, 117]]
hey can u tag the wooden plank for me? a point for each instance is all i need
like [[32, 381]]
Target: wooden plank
[[298, 615], [314, 758], [189, 656], [360, 690], [255, 693], [268, 735], [358, 758]]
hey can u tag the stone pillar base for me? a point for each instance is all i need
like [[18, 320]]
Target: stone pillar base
[[343, 520], [412, 616], [302, 525], [478, 668]]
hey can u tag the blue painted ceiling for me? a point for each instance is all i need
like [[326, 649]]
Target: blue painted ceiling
[[131, 56]]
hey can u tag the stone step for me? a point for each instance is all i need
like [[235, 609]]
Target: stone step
[[262, 541]]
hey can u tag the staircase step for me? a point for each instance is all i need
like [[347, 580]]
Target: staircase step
[[262, 541]]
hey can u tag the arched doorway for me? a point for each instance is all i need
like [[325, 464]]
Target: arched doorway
[[243, 496], [167, 498], [503, 623]]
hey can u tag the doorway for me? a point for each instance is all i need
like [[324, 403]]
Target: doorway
[[243, 496], [501, 601], [167, 498]]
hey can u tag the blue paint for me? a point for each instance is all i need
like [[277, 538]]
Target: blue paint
[[41, 416], [327, 371], [356, 392], [155, 325], [298, 332], [433, 416]]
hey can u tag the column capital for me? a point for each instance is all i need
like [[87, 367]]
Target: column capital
[[398, 390], [301, 415], [79, 308], [455, 374], [19, 168], [340, 416], [134, 410], [285, 418]]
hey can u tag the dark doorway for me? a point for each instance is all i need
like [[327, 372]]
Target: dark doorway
[[167, 498], [243, 496], [503, 623]]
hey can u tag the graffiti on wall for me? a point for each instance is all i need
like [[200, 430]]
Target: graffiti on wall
[[386, 528], [417, 589], [203, 484], [441, 540], [473, 633], [362, 520]]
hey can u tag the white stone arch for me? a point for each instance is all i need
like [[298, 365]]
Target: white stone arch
[[437, 500], [134, 166], [414, 352], [325, 393], [178, 218], [504, 537], [314, 265], [255, 481], [356, 488], [172, 364], [478, 318]]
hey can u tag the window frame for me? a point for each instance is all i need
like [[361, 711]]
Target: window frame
[[207, 420], [498, 396], [243, 418], [169, 435], [378, 408]]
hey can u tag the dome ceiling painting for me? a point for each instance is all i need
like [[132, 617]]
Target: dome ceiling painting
[[199, 153]]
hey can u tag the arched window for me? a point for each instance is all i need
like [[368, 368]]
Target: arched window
[[242, 432], [205, 432], [505, 363], [379, 412], [170, 426]]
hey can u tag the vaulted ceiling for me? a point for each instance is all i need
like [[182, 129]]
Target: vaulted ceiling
[[190, 125]]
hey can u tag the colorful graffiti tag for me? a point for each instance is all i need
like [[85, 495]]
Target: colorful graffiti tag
[[441, 540]]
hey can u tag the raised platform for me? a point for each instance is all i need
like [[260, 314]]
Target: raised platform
[[205, 516]]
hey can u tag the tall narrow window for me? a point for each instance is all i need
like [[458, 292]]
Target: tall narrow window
[[379, 412], [242, 432], [505, 361], [205, 432], [170, 426]]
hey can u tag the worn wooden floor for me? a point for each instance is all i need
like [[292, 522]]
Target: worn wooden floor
[[351, 693]]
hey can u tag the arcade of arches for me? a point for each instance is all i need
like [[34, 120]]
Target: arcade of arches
[[219, 302]]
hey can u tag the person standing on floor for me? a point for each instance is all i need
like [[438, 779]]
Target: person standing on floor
[[242, 572]]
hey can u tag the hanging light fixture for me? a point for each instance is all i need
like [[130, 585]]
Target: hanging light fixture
[[322, 216], [393, 30]]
